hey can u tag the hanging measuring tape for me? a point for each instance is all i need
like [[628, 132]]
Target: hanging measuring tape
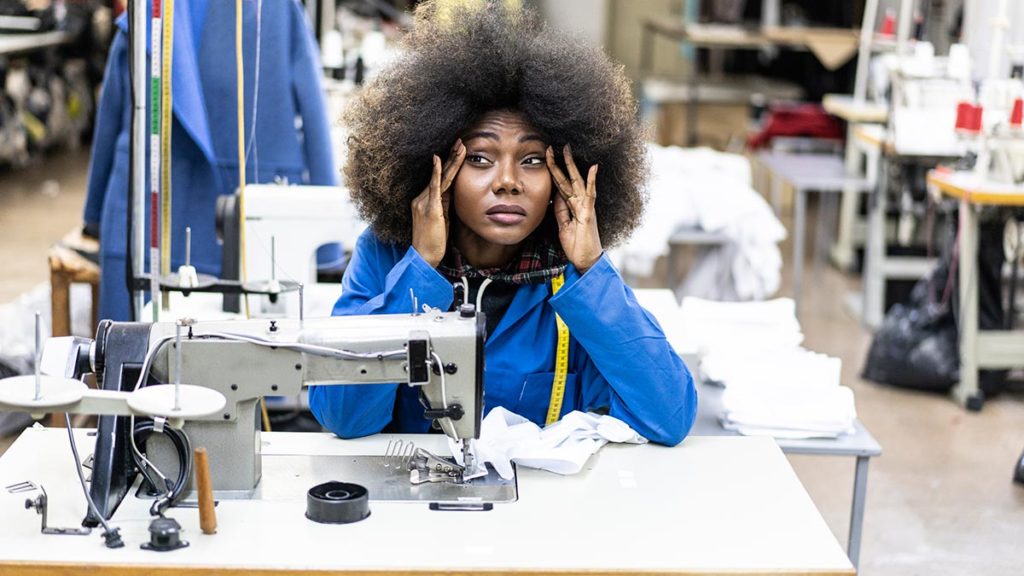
[[561, 360], [166, 56]]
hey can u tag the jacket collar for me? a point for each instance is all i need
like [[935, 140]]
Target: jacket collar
[[187, 104], [528, 297]]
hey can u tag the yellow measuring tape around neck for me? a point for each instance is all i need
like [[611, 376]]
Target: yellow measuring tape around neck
[[561, 361]]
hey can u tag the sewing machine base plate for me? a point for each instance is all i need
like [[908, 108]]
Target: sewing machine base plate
[[383, 484]]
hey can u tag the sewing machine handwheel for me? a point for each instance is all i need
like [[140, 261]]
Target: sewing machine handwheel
[[20, 391], [193, 401]]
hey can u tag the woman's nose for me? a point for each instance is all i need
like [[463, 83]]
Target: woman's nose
[[506, 181]]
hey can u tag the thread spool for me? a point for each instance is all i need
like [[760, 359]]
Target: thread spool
[[337, 503], [968, 118]]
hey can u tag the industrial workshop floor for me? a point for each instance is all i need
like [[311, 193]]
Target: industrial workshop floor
[[940, 500]]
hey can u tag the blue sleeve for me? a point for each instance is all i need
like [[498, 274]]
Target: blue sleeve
[[628, 364], [309, 98], [113, 99], [375, 283]]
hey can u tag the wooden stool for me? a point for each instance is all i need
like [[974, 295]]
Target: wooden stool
[[68, 267]]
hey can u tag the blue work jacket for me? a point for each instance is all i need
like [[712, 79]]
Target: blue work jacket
[[619, 358], [204, 134]]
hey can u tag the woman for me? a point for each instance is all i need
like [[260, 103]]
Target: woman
[[543, 167]]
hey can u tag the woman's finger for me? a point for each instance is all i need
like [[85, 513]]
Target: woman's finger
[[574, 174], [564, 187], [452, 166], [592, 183], [556, 173], [435, 181], [563, 213]]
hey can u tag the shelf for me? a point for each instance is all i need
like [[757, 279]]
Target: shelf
[[832, 46], [845, 107], [729, 90], [13, 43]]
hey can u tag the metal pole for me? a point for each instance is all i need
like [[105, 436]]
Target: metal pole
[[867, 33], [860, 488], [903, 26], [138, 142], [39, 356], [177, 365]]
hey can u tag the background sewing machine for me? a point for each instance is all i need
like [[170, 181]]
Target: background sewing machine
[[284, 227]]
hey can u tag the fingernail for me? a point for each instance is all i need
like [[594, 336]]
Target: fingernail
[[568, 150]]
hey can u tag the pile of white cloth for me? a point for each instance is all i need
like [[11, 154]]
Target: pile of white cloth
[[789, 411], [704, 189], [773, 386], [713, 327], [563, 447]]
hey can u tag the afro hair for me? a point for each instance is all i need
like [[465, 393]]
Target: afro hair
[[462, 60]]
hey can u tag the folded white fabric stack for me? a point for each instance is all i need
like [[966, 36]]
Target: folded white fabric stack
[[789, 411], [772, 385], [724, 327], [756, 367]]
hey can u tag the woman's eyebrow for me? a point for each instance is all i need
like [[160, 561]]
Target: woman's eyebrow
[[530, 137], [480, 134]]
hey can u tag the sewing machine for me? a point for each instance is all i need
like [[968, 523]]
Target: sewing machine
[[284, 226], [441, 353]]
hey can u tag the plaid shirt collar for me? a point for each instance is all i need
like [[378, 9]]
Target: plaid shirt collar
[[537, 263]]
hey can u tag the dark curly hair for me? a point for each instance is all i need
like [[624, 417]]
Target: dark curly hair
[[461, 61]]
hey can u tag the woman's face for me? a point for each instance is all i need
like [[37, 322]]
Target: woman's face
[[502, 191]]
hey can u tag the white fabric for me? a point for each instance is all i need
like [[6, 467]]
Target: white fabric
[[790, 410], [563, 447], [17, 338], [730, 328], [768, 366], [772, 385], [708, 190]]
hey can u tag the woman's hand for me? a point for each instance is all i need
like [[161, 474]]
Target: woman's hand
[[574, 211], [430, 208]]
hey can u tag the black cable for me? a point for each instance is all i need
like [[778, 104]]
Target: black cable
[[110, 535], [1011, 298], [183, 447]]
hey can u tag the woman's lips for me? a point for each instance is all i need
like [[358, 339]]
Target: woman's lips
[[506, 214]]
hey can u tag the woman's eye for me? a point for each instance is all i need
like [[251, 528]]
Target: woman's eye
[[476, 159], [533, 161]]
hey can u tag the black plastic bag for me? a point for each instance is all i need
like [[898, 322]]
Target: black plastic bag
[[917, 345]]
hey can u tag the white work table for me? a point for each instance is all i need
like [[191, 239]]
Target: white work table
[[708, 506]]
